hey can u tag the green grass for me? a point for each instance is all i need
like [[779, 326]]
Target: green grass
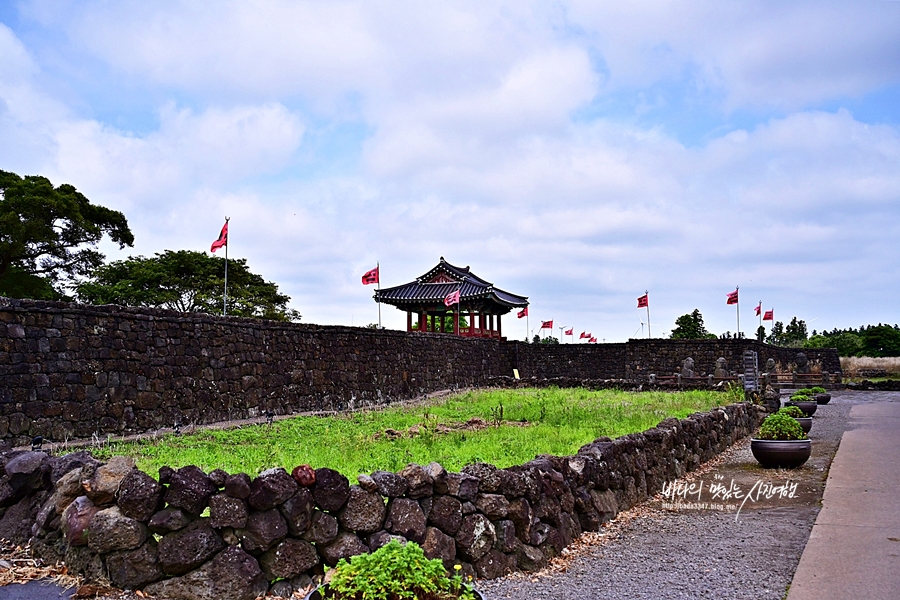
[[548, 421]]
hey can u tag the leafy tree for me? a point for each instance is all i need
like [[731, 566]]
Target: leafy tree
[[690, 327], [447, 325], [776, 336], [794, 335], [761, 333], [186, 281], [48, 235], [846, 343], [881, 340]]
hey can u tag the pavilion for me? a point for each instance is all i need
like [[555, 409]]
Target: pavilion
[[479, 301]]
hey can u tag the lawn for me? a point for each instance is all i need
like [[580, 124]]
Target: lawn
[[503, 427]]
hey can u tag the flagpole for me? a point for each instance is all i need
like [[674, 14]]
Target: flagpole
[[647, 293], [737, 308], [225, 294], [378, 270]]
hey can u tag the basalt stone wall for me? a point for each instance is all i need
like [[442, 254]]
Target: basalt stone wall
[[664, 357], [578, 361], [71, 371], [277, 530]]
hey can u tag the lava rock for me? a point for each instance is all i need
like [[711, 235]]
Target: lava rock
[[226, 511], [446, 514], [271, 488], [438, 544], [133, 569], [139, 495], [188, 548], [190, 489], [297, 511], [405, 517], [364, 511], [331, 489], [264, 529], [345, 545], [420, 482], [76, 520], [106, 479], [168, 520], [475, 537], [288, 559], [231, 575], [323, 528], [390, 484], [238, 486], [110, 530]]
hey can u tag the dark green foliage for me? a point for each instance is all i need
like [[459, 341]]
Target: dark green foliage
[[792, 411], [447, 325], [780, 426], [396, 572], [50, 233], [690, 327], [868, 340], [761, 333], [794, 335], [186, 281]]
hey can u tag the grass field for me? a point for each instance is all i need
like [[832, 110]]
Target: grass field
[[503, 427]]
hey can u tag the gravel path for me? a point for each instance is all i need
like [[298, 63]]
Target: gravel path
[[652, 552]]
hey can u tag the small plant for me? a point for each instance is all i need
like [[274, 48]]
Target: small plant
[[817, 390], [801, 397], [792, 411], [780, 427], [396, 572]]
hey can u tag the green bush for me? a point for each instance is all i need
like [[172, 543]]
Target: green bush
[[780, 427], [818, 390], [804, 397], [792, 411], [396, 572]]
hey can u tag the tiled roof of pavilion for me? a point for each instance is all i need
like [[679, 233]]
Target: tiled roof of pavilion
[[443, 279]]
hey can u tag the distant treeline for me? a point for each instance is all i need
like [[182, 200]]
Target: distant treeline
[[868, 340]]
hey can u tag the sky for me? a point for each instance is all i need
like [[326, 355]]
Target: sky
[[575, 152]]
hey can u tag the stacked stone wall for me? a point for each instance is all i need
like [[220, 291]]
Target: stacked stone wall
[[276, 531], [70, 372]]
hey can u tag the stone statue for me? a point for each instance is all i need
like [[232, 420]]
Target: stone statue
[[687, 367], [771, 399], [802, 363], [721, 368], [770, 366]]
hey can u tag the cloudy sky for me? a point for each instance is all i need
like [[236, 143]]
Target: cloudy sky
[[575, 152]]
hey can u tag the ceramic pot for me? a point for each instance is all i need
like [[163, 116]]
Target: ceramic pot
[[786, 454], [805, 423], [807, 406], [823, 398]]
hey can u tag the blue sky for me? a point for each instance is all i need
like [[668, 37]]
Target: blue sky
[[575, 152]]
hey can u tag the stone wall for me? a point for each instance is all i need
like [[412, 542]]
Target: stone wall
[[664, 357], [69, 371], [277, 530]]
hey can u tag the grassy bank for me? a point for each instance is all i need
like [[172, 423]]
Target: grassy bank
[[503, 427]]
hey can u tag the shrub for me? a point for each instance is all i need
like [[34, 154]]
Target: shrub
[[793, 411], [804, 397], [780, 427], [818, 390], [396, 572]]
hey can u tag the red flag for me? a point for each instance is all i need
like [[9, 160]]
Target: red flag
[[223, 239], [567, 332], [370, 276], [769, 315], [522, 313], [643, 301], [593, 340], [759, 309], [547, 324], [732, 297], [584, 336], [452, 298]]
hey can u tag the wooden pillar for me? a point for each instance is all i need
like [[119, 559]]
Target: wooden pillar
[[499, 328], [408, 321], [456, 316], [471, 323], [438, 321], [421, 321], [491, 318]]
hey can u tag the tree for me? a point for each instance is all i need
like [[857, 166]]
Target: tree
[[690, 327], [48, 235], [761, 333], [186, 281], [881, 340], [794, 335]]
